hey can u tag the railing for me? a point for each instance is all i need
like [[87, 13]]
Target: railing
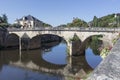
[[95, 29]]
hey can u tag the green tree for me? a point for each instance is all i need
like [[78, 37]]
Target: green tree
[[62, 25], [4, 18], [95, 21], [46, 25], [112, 20], [95, 43], [4, 21], [16, 25], [77, 23], [0, 19], [75, 38], [4, 25]]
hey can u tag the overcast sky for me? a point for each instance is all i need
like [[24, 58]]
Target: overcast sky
[[56, 12]]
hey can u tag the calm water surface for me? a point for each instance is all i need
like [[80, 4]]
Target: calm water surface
[[54, 58]]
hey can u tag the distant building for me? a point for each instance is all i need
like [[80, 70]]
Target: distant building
[[29, 22], [117, 16]]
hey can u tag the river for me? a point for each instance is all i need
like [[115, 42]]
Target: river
[[46, 64]]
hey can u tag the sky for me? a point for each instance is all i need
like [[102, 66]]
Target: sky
[[56, 12]]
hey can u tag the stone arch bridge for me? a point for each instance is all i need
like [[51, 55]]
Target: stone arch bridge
[[67, 33]]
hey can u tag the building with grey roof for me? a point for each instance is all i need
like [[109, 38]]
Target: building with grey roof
[[29, 22]]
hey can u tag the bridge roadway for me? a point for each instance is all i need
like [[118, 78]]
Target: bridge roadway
[[67, 33], [95, 29]]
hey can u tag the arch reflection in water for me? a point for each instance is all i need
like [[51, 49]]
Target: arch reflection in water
[[57, 55], [33, 60], [92, 59]]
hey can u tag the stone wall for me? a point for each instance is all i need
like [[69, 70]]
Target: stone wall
[[3, 33], [109, 68]]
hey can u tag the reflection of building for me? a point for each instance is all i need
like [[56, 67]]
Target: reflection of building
[[29, 22]]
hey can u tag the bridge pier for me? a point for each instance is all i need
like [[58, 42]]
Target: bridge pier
[[69, 48], [20, 47], [74, 48]]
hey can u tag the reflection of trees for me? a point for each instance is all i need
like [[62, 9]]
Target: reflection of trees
[[95, 44]]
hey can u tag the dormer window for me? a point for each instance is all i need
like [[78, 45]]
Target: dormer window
[[24, 18]]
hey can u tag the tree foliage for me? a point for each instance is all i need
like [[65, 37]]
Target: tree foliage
[[76, 22], [75, 38], [16, 25], [46, 25], [4, 21], [4, 25], [95, 43], [95, 21], [106, 21], [4, 18]]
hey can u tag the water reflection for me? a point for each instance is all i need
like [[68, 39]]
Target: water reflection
[[92, 51], [92, 59], [57, 55], [51, 63], [16, 73]]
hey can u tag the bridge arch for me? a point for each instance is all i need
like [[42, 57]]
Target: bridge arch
[[12, 40], [106, 35], [36, 41], [89, 42]]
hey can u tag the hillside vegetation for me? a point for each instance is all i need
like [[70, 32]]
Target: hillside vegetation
[[111, 20]]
